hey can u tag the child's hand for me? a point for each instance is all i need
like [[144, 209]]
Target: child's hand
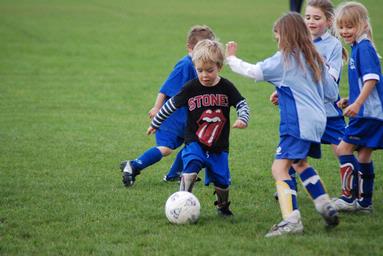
[[274, 98], [150, 130], [152, 113], [239, 124], [231, 48], [352, 110], [342, 103]]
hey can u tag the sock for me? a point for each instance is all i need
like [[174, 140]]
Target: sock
[[293, 176], [366, 185], [349, 168], [149, 157], [177, 166], [287, 197]]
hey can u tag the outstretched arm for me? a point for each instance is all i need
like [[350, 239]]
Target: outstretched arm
[[157, 105]]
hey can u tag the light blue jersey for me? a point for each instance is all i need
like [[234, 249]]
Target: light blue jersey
[[330, 48], [300, 98]]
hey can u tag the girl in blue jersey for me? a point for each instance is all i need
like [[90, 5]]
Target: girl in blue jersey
[[208, 100], [364, 132], [171, 134], [319, 16], [303, 84]]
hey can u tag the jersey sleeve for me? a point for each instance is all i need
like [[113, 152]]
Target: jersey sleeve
[[182, 72], [244, 68], [272, 68], [334, 61], [368, 62]]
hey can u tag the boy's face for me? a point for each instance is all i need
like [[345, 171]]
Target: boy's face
[[207, 73], [316, 21]]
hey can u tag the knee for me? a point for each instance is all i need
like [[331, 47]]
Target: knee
[[165, 151]]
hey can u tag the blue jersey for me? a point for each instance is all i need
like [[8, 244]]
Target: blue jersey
[[330, 48], [183, 72], [364, 65], [300, 98]]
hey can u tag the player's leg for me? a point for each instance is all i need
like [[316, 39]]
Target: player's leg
[[349, 169], [314, 186], [219, 174], [193, 161], [176, 168], [366, 180], [286, 190]]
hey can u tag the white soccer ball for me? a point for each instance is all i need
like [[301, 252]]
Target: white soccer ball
[[182, 207]]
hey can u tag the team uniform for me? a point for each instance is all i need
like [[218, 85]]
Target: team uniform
[[365, 130], [330, 48], [302, 124], [208, 126]]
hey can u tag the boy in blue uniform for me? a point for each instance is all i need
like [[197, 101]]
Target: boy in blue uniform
[[364, 132], [171, 134], [208, 100], [299, 74]]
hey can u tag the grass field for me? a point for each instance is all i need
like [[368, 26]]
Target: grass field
[[77, 79]]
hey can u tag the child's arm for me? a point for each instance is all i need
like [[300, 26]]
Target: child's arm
[[161, 116], [353, 109], [243, 114], [239, 66], [157, 105]]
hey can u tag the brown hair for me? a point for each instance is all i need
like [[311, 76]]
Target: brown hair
[[197, 33], [295, 39], [328, 9], [209, 51]]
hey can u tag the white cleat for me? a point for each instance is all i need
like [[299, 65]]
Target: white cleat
[[343, 206], [285, 228]]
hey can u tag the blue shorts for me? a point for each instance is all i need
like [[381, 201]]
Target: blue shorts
[[167, 138], [216, 164], [334, 132], [364, 132], [292, 148]]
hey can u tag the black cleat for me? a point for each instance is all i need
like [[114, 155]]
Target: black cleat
[[128, 174]]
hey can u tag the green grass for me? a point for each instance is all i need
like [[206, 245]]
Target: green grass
[[77, 79]]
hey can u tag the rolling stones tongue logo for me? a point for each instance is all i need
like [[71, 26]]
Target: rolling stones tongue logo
[[210, 126]]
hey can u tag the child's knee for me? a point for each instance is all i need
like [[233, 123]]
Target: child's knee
[[165, 151]]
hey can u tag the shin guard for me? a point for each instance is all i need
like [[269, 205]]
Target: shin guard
[[287, 197], [366, 184], [187, 181], [349, 180]]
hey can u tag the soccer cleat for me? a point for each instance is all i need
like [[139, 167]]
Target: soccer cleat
[[342, 205], [330, 214], [363, 209], [224, 211], [285, 228], [128, 174], [171, 179]]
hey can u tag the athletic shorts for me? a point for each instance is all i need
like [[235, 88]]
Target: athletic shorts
[[292, 148], [334, 132], [167, 138], [364, 132], [216, 164]]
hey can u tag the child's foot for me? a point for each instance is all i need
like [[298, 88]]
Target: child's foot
[[171, 179], [223, 209], [330, 214], [363, 209], [343, 205], [285, 228], [128, 174]]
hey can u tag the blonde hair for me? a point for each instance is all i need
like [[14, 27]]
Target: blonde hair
[[295, 39], [207, 51], [356, 15], [198, 33]]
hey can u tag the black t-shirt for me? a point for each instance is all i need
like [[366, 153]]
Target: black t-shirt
[[208, 113]]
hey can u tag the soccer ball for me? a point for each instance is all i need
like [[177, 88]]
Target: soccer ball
[[182, 207]]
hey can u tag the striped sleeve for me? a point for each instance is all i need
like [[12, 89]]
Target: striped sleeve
[[167, 109], [243, 111]]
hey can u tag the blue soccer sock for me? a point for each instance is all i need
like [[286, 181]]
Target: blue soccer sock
[[149, 157], [287, 197], [311, 181], [367, 184], [293, 176], [349, 168], [177, 166]]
